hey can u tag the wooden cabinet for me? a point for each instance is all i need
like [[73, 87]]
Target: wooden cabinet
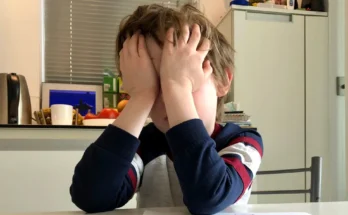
[[276, 64]]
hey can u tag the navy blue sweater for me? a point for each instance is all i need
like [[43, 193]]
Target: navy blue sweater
[[104, 179]]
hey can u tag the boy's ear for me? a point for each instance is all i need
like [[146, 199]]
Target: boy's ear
[[223, 90]]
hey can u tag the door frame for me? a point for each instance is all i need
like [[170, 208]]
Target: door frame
[[337, 104], [346, 82]]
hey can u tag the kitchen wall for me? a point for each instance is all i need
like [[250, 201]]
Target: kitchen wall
[[20, 44]]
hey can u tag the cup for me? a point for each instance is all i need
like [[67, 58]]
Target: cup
[[61, 114]]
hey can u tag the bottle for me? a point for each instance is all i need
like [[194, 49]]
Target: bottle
[[290, 4], [106, 102]]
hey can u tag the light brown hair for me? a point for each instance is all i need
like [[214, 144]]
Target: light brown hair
[[154, 20]]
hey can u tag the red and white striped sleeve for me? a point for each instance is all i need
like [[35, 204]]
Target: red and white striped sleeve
[[243, 155], [136, 171]]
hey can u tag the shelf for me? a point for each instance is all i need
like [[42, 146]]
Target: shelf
[[279, 11]]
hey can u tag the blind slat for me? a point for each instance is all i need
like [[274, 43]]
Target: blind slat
[[84, 69], [80, 37]]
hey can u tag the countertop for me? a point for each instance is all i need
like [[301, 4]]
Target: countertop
[[48, 137], [329, 208], [52, 126]]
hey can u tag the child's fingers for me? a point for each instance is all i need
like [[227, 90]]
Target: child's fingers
[[185, 34], [126, 46], [207, 68], [121, 60], [133, 44], [195, 36], [169, 42], [142, 50], [204, 48]]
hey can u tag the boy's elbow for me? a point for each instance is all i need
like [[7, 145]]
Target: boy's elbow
[[205, 206], [86, 206], [203, 211], [90, 203]]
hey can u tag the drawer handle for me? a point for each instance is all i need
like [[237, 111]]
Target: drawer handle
[[268, 17]]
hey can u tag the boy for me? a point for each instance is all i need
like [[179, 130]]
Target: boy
[[176, 67]]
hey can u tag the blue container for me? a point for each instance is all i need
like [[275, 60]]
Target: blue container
[[239, 2]]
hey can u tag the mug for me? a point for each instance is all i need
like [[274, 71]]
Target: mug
[[61, 114]]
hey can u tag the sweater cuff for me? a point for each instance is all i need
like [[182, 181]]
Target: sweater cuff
[[186, 135], [118, 142]]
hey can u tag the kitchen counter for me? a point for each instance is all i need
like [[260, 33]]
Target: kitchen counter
[[52, 126], [48, 137]]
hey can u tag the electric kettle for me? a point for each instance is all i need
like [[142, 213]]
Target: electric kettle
[[15, 106]]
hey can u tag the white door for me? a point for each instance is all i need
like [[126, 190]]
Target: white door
[[269, 85]]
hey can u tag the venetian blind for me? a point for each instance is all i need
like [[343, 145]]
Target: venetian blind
[[80, 37]]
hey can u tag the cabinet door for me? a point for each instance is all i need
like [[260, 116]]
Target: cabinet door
[[317, 99], [269, 85]]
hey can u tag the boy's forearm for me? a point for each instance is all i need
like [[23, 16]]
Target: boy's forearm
[[134, 115], [179, 103], [101, 178], [207, 184]]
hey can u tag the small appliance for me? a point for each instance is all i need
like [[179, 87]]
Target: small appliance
[[15, 106]]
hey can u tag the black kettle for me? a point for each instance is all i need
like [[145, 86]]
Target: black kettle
[[15, 106]]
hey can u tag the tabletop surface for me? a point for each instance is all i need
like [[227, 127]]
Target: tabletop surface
[[329, 208]]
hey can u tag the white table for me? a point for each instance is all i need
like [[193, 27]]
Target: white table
[[330, 208]]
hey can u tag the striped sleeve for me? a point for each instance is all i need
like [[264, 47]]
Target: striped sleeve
[[243, 157], [135, 172], [107, 175]]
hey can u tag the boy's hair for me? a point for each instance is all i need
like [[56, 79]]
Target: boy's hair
[[154, 20]]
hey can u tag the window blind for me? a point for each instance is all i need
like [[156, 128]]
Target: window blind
[[80, 37]]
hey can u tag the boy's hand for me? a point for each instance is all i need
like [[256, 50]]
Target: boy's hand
[[140, 81], [184, 64], [138, 73], [183, 71]]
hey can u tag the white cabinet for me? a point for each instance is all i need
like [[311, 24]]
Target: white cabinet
[[317, 97], [276, 64], [269, 84]]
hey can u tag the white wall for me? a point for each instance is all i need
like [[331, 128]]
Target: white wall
[[20, 44], [215, 11], [337, 103]]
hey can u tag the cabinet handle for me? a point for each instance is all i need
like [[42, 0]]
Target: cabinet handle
[[268, 17], [340, 86]]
